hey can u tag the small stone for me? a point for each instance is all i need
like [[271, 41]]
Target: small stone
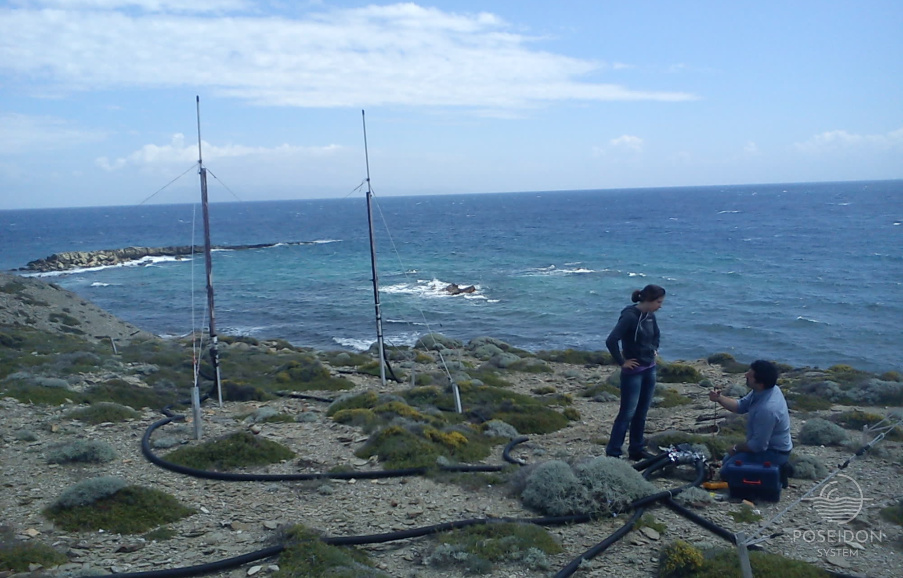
[[650, 533], [270, 525], [32, 532], [254, 570], [839, 561]]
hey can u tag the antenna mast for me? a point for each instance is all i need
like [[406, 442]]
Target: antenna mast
[[379, 319], [208, 264]]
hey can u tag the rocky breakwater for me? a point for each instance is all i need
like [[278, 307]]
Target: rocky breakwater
[[69, 260], [104, 258]]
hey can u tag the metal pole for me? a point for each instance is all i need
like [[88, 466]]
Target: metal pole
[[743, 553], [379, 319], [208, 264]]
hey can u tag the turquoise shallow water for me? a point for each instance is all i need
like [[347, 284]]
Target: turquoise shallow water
[[806, 274]]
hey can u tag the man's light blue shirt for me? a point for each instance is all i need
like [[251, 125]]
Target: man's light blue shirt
[[768, 425]]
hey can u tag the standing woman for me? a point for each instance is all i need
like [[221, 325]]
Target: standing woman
[[637, 332]]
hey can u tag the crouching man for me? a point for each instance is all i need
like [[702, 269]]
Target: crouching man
[[768, 424]]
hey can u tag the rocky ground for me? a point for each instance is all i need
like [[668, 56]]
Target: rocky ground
[[239, 517]]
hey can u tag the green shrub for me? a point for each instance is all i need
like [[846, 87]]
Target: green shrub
[[130, 510], [821, 432], [670, 398], [808, 402], [63, 318], [422, 446], [679, 559], [480, 546], [571, 414], [728, 363], [530, 365], [725, 563], [543, 390], [25, 435], [241, 449], [366, 400], [306, 555], [745, 515], [103, 412], [82, 451], [576, 357], [678, 373], [602, 392], [305, 373], [359, 417], [18, 556], [894, 514]]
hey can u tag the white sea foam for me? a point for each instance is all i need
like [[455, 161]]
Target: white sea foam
[[801, 318], [99, 284], [355, 344], [431, 289], [728, 212], [405, 322], [636, 274], [245, 331], [552, 270]]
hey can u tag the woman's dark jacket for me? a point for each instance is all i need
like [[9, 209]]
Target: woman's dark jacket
[[638, 334]]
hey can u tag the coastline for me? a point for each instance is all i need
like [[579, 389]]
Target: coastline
[[241, 519]]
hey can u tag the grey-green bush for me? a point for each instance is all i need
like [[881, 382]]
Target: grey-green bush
[[694, 496], [89, 491], [82, 451], [497, 428], [809, 468], [821, 432], [612, 483], [553, 488], [599, 485]]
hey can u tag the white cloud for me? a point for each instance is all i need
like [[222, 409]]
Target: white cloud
[[841, 140], [751, 148], [627, 142], [401, 54], [21, 133], [193, 6], [181, 153]]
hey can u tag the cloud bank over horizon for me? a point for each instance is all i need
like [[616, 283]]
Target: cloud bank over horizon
[[460, 99]]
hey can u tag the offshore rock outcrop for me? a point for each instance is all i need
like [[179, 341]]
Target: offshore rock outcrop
[[109, 257]]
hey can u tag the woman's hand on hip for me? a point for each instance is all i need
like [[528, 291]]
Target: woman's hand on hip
[[630, 364]]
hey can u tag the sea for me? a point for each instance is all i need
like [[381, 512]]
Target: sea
[[802, 274]]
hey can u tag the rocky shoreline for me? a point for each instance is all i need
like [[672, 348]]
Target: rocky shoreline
[[69, 260], [235, 518]]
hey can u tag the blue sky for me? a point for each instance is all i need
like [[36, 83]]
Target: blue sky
[[97, 97]]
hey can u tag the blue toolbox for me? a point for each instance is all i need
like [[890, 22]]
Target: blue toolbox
[[753, 481]]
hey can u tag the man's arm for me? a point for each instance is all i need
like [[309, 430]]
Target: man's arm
[[728, 403]]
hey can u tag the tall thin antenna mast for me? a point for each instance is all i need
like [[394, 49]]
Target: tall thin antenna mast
[[208, 264], [379, 319]]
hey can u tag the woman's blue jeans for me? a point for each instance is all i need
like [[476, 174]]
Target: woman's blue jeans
[[636, 397]]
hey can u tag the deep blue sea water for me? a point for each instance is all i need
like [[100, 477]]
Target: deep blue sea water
[[805, 274]]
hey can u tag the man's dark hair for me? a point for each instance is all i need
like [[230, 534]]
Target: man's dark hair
[[765, 372]]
